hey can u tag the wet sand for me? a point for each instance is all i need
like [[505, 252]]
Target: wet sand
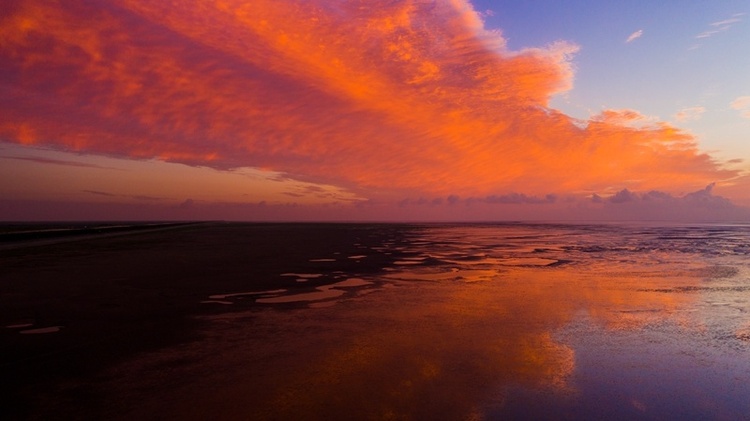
[[337, 321], [111, 297]]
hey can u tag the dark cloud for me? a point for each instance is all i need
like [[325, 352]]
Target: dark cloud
[[701, 198], [519, 198], [146, 198], [136, 197], [700, 205], [705, 197], [99, 193], [657, 195], [623, 196]]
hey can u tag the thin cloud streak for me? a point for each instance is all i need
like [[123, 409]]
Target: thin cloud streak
[[99, 193], [635, 35], [40, 160], [385, 98], [135, 197], [721, 26], [726, 22], [690, 113]]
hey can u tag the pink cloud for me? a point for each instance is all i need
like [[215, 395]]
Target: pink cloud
[[742, 104], [635, 35], [690, 113]]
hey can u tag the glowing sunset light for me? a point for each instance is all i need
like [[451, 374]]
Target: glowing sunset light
[[374, 103]]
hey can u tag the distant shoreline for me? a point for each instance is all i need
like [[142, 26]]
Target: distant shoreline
[[28, 235]]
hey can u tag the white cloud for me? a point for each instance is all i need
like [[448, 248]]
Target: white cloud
[[720, 26], [742, 104], [707, 34], [635, 35], [726, 22], [689, 114]]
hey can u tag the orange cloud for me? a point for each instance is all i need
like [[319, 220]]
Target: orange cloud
[[377, 97]]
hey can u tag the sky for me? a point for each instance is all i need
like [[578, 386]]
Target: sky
[[374, 110]]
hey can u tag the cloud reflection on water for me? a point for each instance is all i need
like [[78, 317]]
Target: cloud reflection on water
[[432, 344]]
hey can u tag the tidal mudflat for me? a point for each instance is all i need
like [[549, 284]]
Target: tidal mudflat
[[381, 321]]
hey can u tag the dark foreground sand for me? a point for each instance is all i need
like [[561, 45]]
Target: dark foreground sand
[[116, 296]]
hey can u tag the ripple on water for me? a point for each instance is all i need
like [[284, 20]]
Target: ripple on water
[[240, 294], [303, 275], [19, 325], [41, 330], [527, 261], [425, 275], [407, 262], [324, 292]]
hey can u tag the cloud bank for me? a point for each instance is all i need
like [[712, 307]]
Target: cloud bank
[[381, 97], [626, 205]]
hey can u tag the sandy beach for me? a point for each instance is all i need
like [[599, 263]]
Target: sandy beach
[[380, 321]]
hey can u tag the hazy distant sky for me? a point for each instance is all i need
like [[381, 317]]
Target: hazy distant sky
[[363, 109]]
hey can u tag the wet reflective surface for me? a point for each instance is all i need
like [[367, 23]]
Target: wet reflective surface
[[493, 322], [471, 322]]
